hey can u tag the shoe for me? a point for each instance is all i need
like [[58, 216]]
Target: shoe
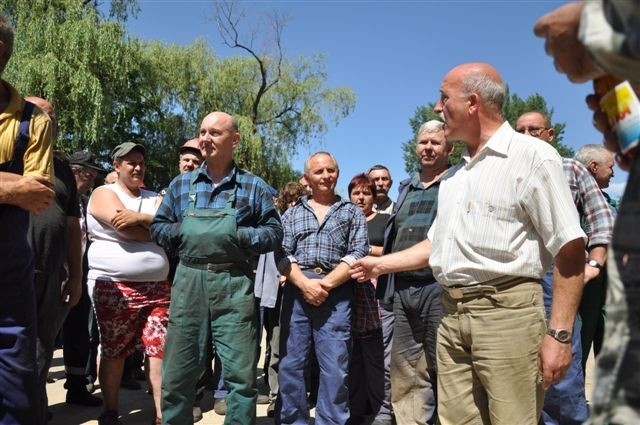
[[271, 409], [138, 374], [83, 398], [220, 406], [130, 384], [197, 413], [262, 399], [109, 417]]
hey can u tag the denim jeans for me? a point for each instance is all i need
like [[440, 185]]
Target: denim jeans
[[328, 326], [565, 401]]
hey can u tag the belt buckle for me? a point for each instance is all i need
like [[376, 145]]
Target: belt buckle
[[455, 293], [318, 270], [211, 267]]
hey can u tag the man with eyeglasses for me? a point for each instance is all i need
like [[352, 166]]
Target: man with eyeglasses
[[79, 347], [565, 400]]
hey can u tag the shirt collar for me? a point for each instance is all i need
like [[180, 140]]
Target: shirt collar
[[204, 176], [498, 143]]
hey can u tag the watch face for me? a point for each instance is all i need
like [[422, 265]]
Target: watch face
[[563, 336], [594, 263]]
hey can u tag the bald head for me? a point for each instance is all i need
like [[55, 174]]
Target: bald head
[[48, 109], [484, 80], [219, 137], [222, 118]]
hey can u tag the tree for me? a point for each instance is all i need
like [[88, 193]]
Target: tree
[[513, 107], [109, 87], [283, 102]]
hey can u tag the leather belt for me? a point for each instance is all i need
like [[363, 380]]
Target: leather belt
[[474, 291], [211, 267], [318, 270]]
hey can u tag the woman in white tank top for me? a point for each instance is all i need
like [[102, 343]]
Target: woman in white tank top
[[128, 273]]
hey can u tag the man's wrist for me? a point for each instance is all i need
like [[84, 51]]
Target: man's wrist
[[594, 263]]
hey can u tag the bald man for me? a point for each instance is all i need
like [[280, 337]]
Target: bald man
[[504, 213], [216, 218]]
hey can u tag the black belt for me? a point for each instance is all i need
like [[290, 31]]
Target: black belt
[[462, 292], [211, 267], [317, 270]]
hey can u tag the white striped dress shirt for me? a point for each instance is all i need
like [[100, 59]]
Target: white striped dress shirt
[[507, 212]]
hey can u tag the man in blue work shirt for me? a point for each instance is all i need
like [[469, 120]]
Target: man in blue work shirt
[[323, 236]]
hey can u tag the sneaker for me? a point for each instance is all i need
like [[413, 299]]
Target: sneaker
[[197, 413], [220, 406], [262, 399], [83, 398], [271, 409], [109, 417], [130, 384]]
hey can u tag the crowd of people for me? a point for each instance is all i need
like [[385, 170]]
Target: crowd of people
[[474, 297]]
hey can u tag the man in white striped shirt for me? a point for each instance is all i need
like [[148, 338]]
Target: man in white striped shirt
[[504, 213]]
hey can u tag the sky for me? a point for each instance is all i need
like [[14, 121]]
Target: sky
[[393, 55]]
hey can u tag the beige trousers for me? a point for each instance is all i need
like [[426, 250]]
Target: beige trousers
[[487, 356]]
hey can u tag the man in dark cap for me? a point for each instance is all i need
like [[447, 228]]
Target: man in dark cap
[[79, 345]]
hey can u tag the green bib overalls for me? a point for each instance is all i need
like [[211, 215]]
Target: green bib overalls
[[212, 292]]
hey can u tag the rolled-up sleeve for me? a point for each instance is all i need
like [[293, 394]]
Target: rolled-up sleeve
[[358, 243], [165, 226]]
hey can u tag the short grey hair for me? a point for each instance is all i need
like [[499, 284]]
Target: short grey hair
[[307, 167], [591, 152], [490, 91], [6, 37], [431, 126]]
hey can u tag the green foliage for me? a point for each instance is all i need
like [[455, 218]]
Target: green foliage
[[513, 107], [109, 87]]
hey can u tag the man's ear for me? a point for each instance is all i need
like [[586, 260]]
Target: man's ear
[[552, 133], [236, 139]]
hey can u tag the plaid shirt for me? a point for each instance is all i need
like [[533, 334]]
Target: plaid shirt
[[342, 236], [595, 214], [259, 227]]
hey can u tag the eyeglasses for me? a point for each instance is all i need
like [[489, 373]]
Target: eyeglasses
[[532, 131], [86, 171]]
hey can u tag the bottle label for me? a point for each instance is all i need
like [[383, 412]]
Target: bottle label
[[622, 108]]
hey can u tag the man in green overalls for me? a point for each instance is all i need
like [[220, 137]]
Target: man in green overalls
[[216, 217]]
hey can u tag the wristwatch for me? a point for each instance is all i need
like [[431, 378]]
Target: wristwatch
[[594, 263], [560, 335]]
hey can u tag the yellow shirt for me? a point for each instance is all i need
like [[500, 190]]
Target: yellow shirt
[[38, 156]]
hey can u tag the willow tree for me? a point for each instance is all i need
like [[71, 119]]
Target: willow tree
[[109, 87], [513, 107]]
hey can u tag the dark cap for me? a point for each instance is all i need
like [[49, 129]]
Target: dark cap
[[124, 148], [86, 159]]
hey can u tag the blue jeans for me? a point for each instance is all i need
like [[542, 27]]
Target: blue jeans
[[565, 402], [329, 327], [417, 311]]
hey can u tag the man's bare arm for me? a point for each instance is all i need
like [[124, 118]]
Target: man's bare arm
[[555, 357], [412, 258], [31, 193]]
